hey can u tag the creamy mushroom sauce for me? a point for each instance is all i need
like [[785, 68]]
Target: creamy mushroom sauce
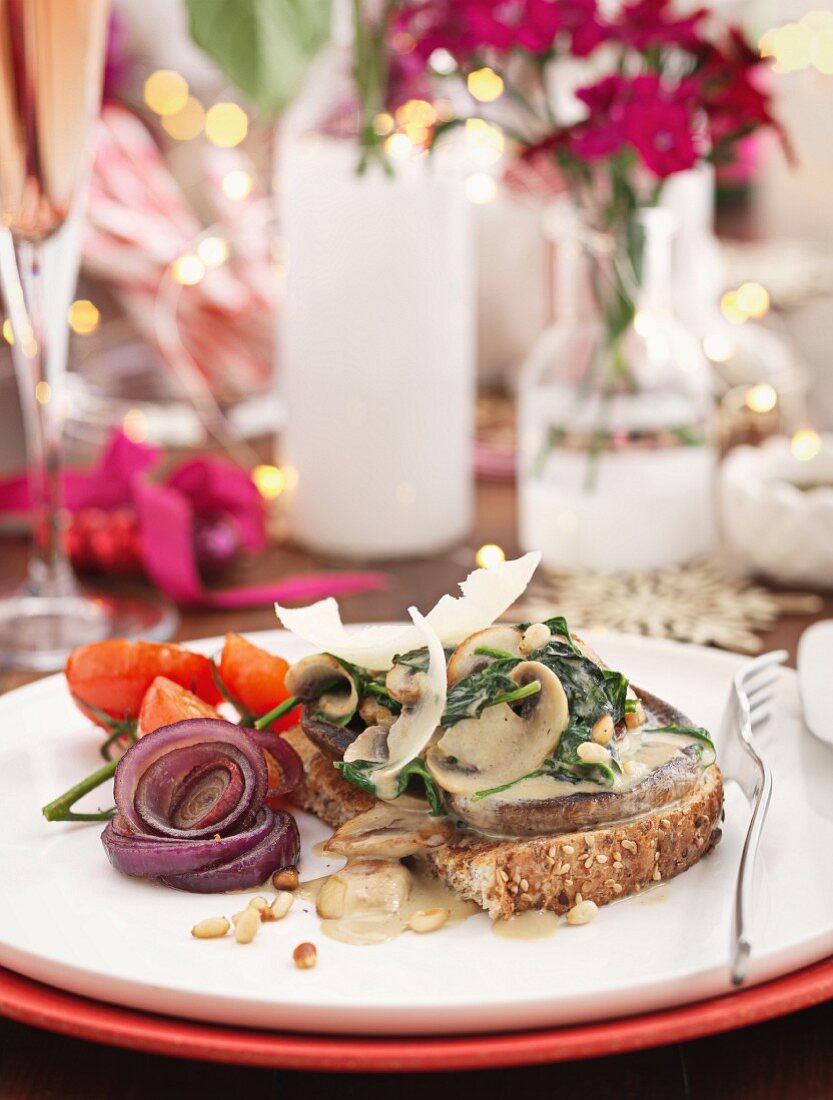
[[365, 923], [646, 751], [390, 893]]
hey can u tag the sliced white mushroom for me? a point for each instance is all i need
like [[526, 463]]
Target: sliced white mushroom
[[465, 659], [390, 832], [487, 593], [308, 676], [504, 743]]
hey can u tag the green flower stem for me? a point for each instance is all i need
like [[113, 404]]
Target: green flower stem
[[60, 809]]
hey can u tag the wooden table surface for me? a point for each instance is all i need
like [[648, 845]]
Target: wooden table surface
[[786, 1059]]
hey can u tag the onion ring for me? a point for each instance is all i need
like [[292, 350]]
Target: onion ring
[[191, 813]]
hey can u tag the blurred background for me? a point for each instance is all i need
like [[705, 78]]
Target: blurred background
[[372, 257]]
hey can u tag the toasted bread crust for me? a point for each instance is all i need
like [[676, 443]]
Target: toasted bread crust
[[511, 876]]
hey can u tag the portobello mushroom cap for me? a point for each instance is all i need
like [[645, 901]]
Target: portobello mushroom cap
[[506, 742], [503, 815], [331, 739]]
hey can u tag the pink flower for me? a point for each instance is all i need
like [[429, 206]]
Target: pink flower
[[467, 28], [657, 121], [651, 23]]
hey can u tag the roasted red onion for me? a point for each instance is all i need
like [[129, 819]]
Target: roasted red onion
[[191, 813]]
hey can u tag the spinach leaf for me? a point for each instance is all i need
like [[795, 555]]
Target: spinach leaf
[[698, 733], [360, 773], [469, 697], [590, 690], [378, 689], [418, 658], [566, 753]]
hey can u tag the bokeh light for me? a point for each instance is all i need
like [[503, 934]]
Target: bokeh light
[[805, 444], [188, 269], [226, 124], [718, 347], [480, 188], [485, 85], [43, 393], [187, 123], [753, 299], [8, 334], [166, 92], [237, 185], [803, 45], [270, 481], [761, 398], [213, 251], [83, 317], [484, 142], [490, 554], [135, 425]]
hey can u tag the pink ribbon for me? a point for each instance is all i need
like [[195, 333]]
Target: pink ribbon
[[166, 510]]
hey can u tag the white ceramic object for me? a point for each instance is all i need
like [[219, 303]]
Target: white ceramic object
[[376, 351], [774, 522], [815, 684], [68, 919]]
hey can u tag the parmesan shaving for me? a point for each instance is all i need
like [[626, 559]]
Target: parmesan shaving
[[486, 595], [414, 728]]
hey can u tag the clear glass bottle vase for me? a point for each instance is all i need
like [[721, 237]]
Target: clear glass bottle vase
[[616, 464]]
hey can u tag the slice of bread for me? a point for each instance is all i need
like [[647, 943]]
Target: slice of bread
[[511, 876]]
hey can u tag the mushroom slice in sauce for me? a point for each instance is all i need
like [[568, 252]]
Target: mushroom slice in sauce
[[465, 659], [378, 885], [504, 743], [310, 675], [374, 713], [390, 832]]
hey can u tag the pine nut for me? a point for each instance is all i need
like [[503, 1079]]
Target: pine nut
[[259, 903], [629, 767], [211, 928], [280, 906], [286, 879], [591, 753], [603, 730], [247, 925], [428, 920], [305, 956], [535, 636], [582, 913]]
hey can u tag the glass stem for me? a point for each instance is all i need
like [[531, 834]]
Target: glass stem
[[39, 355]]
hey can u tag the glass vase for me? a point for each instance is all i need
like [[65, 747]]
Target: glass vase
[[616, 463]]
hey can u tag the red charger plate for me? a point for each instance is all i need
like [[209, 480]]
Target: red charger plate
[[42, 1006]]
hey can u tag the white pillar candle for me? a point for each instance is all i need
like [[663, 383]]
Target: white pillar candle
[[376, 352]]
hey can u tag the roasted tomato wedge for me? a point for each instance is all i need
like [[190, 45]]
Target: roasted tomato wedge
[[108, 680], [254, 681], [166, 702]]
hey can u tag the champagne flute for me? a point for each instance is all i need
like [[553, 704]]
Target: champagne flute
[[51, 65]]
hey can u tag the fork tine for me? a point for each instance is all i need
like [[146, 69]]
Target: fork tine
[[758, 706], [760, 664], [761, 686]]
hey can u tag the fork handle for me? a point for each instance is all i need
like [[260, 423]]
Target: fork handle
[[741, 946]]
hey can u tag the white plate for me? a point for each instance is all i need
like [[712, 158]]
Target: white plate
[[68, 919]]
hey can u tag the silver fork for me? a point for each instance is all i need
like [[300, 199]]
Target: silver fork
[[748, 707]]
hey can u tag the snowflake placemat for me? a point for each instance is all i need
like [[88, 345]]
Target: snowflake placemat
[[692, 603]]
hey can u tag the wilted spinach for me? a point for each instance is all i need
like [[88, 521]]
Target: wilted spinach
[[360, 773]]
